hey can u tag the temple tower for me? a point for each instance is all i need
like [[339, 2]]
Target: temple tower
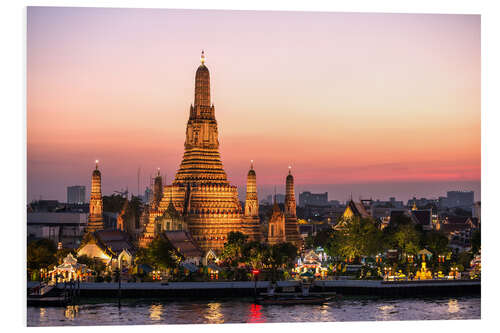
[[251, 218], [201, 162], [157, 190], [95, 220], [151, 212], [276, 228], [201, 192], [291, 225]]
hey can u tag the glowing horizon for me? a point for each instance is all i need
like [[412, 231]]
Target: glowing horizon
[[340, 97]]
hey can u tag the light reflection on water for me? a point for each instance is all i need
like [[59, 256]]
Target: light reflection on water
[[155, 312], [245, 311]]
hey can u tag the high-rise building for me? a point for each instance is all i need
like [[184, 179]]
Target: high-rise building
[[95, 221], [314, 199], [461, 199], [76, 194]]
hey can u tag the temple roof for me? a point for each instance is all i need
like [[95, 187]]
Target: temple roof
[[183, 243]]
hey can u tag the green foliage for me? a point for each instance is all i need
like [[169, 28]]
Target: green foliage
[[359, 237], [464, 259], [475, 241], [113, 203], [94, 264], [254, 253], [321, 238], [407, 239], [435, 241], [159, 254], [233, 252], [41, 254]]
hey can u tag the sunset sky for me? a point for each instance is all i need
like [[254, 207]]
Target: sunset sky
[[370, 104]]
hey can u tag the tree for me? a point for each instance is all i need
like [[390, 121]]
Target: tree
[[113, 203], [255, 252], [475, 241], [279, 255], [94, 264], [160, 254], [407, 239], [359, 237], [435, 241], [41, 254], [233, 248]]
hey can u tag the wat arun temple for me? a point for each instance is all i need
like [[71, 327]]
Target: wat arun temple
[[201, 199]]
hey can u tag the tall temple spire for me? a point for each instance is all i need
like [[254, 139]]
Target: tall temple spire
[[95, 219], [201, 162], [202, 84], [291, 225], [290, 204], [251, 202], [157, 190]]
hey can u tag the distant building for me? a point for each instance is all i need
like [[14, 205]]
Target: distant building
[[315, 199], [460, 199], [148, 195], [67, 228], [45, 206], [423, 203], [76, 194], [280, 198], [392, 203], [476, 211]]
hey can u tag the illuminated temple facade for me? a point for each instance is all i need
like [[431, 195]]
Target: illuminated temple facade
[[201, 199]]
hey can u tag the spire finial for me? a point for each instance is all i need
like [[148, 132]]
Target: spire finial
[[251, 164], [96, 164], [289, 169], [202, 57], [158, 171]]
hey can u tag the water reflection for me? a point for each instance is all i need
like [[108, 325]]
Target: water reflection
[[70, 312], [43, 312], [256, 314], [213, 314], [155, 311], [242, 311], [386, 311], [453, 306]]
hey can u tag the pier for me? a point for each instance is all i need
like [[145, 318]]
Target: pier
[[248, 288]]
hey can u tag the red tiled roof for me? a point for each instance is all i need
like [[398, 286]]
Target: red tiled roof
[[182, 242]]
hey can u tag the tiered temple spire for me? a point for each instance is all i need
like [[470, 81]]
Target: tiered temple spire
[[291, 225], [95, 220], [251, 218], [201, 162], [201, 192]]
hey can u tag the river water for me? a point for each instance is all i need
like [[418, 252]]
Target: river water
[[141, 312]]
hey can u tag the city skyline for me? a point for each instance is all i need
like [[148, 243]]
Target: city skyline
[[129, 95]]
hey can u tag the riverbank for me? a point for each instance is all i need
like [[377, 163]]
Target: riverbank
[[248, 288]]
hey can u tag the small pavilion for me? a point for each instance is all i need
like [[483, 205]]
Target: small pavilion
[[70, 270]]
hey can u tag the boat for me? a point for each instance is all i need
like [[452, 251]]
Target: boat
[[292, 300]]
